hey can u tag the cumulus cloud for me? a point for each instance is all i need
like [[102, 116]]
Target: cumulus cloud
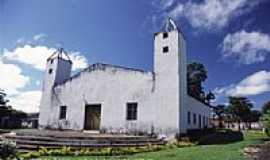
[[20, 40], [27, 101], [36, 56], [247, 47], [39, 36], [255, 84], [12, 78], [208, 14]]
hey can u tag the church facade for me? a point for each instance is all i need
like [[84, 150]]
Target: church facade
[[116, 99]]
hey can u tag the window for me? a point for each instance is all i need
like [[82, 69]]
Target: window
[[132, 111], [165, 35], [200, 121], [165, 49], [51, 61], [189, 118], [50, 71], [194, 118], [63, 112], [204, 121]]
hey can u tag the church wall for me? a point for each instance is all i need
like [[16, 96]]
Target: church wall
[[112, 88], [194, 106]]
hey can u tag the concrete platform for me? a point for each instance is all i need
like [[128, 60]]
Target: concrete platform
[[35, 139]]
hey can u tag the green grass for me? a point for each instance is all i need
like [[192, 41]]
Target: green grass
[[232, 151]]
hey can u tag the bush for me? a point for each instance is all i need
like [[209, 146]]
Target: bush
[[267, 131], [266, 122], [221, 137], [109, 151], [7, 150]]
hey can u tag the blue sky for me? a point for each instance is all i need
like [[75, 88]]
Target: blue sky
[[230, 37]]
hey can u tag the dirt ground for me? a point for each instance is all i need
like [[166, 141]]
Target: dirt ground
[[258, 152]]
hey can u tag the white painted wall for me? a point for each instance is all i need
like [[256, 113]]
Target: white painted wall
[[194, 106], [61, 70], [167, 83], [112, 87]]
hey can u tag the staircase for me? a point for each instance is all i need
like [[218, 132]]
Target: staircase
[[55, 139]]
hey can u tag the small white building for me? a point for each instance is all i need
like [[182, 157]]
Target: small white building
[[118, 99]]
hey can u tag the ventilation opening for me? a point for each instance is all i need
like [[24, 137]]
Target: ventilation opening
[[165, 35], [165, 49]]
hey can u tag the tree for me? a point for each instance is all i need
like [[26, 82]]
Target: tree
[[252, 116], [210, 96], [239, 108], [219, 111], [14, 116], [196, 74], [3, 100], [266, 107], [266, 122]]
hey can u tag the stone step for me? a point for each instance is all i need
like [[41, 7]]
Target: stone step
[[53, 138], [26, 147], [73, 142]]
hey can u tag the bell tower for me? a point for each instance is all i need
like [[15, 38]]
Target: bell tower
[[58, 69], [170, 72]]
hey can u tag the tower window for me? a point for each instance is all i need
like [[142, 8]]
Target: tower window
[[165, 35], [132, 111], [165, 49], [63, 112], [51, 61], [50, 71]]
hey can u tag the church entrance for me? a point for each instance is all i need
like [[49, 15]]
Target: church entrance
[[92, 117]]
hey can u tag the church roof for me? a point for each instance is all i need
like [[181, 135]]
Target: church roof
[[170, 25], [103, 66]]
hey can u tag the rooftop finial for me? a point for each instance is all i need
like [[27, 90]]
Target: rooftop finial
[[60, 53], [170, 25]]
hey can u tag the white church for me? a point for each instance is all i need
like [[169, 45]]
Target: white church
[[115, 99]]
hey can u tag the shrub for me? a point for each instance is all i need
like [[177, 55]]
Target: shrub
[[266, 122], [109, 151], [7, 150], [221, 137]]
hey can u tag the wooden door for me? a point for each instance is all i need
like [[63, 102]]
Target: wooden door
[[92, 117]]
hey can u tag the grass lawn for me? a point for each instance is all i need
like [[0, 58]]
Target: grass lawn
[[232, 151]]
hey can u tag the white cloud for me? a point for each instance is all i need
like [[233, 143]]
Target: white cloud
[[20, 40], [39, 36], [27, 101], [247, 47], [208, 14], [255, 84], [166, 3], [36, 56], [12, 78], [162, 4]]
